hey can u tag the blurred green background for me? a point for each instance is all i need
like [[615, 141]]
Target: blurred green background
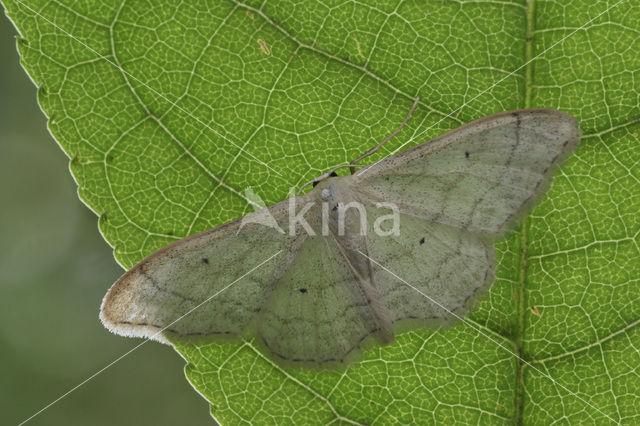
[[54, 269]]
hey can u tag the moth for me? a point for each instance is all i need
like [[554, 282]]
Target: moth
[[319, 288]]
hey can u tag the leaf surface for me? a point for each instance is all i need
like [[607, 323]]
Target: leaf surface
[[168, 110]]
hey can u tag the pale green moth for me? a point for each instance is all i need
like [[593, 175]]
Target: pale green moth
[[314, 283]]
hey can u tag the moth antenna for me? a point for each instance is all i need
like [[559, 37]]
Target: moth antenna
[[388, 138]]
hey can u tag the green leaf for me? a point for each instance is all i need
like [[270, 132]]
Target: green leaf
[[169, 109]]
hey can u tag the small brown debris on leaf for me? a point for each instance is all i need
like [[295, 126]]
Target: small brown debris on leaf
[[264, 46]]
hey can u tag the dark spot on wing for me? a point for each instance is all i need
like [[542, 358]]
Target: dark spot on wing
[[466, 154], [302, 290], [205, 260], [421, 240]]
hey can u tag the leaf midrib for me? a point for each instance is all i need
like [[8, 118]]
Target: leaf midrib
[[524, 228]]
